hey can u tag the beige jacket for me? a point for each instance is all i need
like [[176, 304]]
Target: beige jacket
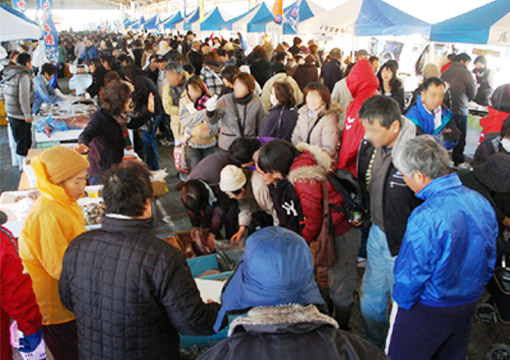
[[172, 109], [324, 135], [282, 77], [341, 96]]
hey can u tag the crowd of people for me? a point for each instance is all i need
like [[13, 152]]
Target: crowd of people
[[272, 148]]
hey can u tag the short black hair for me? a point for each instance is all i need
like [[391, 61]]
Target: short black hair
[[221, 52], [432, 81], [380, 108], [481, 59], [194, 196], [23, 59], [462, 57], [190, 69], [242, 150], [277, 155], [124, 58], [48, 68], [130, 71], [280, 56], [127, 187], [230, 72]]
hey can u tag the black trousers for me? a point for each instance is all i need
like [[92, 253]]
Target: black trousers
[[22, 133], [62, 340], [458, 150]]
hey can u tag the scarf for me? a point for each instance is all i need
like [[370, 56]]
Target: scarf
[[122, 120]]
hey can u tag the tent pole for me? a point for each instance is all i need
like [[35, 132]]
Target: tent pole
[[432, 52]]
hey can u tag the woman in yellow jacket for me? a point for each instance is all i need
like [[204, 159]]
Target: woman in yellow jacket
[[54, 220]]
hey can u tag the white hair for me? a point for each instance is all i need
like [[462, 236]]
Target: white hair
[[423, 154]]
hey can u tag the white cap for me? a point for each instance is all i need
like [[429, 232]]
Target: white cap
[[232, 178]]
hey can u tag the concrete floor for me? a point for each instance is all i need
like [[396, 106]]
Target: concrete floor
[[482, 337]]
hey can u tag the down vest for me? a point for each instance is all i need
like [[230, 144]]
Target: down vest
[[131, 293], [306, 174]]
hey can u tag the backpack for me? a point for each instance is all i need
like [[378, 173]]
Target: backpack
[[355, 201]]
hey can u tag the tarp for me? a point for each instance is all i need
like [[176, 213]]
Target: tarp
[[16, 26], [263, 16], [306, 12], [152, 23], [214, 21], [488, 24], [365, 18], [254, 20], [238, 23], [191, 18], [378, 18], [137, 24], [172, 20]]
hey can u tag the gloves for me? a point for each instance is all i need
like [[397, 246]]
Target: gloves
[[211, 104], [28, 343]]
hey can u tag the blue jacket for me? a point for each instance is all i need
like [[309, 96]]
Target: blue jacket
[[89, 53], [43, 92], [424, 119], [448, 252]]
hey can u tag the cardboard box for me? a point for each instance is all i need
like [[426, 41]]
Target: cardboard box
[[159, 188]]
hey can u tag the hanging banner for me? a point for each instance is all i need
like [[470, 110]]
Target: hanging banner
[[202, 13], [278, 11], [184, 5], [50, 34], [20, 5], [293, 15]]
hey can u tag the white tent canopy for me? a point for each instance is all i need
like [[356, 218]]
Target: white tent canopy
[[336, 21], [16, 26]]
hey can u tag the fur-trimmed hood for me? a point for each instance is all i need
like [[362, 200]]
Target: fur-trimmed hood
[[282, 319], [312, 164], [334, 110]]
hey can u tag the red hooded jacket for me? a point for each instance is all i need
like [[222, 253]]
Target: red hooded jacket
[[363, 84], [18, 298], [493, 122], [306, 174]]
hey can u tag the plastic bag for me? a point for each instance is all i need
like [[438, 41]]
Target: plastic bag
[[38, 354], [49, 125]]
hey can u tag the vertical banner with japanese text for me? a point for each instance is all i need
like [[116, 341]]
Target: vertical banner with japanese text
[[50, 34]]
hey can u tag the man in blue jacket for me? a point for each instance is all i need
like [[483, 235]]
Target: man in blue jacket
[[43, 92], [430, 115], [447, 257], [90, 51]]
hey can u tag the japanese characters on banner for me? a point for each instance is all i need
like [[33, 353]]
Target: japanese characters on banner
[[293, 15], [20, 5], [50, 34]]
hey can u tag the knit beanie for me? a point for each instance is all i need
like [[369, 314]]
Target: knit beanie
[[431, 70], [232, 178], [62, 163], [493, 172]]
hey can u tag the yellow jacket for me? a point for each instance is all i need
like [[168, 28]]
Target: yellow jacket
[[172, 109], [54, 220]]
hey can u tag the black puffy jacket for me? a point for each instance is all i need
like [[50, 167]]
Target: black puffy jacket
[[290, 332], [131, 293]]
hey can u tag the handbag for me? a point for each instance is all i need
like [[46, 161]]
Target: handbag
[[181, 165], [323, 247]]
